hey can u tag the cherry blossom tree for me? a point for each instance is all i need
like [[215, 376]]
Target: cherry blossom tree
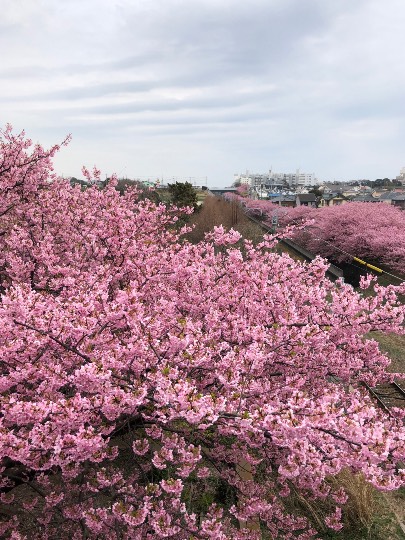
[[375, 232], [257, 208], [143, 377], [242, 190]]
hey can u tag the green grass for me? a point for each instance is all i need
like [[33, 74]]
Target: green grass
[[394, 346]]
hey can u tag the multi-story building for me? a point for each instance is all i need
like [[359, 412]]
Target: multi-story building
[[273, 180], [401, 176]]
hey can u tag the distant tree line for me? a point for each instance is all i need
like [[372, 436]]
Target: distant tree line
[[380, 182], [180, 194]]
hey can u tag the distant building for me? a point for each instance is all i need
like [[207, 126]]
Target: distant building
[[330, 199], [387, 196], [301, 179], [401, 176], [365, 197], [244, 180], [273, 180], [221, 191], [305, 199], [399, 201], [283, 200]]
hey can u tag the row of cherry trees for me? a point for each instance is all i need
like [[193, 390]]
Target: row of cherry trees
[[142, 377], [375, 232]]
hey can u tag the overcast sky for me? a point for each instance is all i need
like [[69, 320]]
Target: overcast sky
[[209, 88]]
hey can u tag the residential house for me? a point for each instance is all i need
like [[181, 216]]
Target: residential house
[[305, 199], [386, 197], [332, 199], [365, 197], [399, 201], [286, 200]]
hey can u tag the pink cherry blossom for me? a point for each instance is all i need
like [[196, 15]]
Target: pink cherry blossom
[[142, 377]]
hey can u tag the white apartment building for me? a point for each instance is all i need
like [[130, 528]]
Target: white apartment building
[[273, 180], [243, 179]]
